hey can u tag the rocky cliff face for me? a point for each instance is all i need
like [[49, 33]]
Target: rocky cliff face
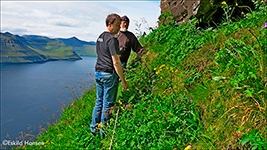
[[181, 10], [209, 12]]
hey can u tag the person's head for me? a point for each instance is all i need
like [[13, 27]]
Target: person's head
[[113, 22], [124, 23]]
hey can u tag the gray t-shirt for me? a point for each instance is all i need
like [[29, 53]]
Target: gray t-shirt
[[106, 46]]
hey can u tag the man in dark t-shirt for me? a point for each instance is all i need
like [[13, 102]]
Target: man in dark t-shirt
[[128, 42], [108, 70]]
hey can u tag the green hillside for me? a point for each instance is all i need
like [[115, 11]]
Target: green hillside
[[82, 48], [14, 51], [51, 48], [33, 48], [204, 89], [86, 50]]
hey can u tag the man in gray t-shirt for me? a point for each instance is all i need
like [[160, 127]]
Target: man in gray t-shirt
[[108, 70]]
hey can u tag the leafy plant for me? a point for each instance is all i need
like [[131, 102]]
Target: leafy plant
[[254, 140]]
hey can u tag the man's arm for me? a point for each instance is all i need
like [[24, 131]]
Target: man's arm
[[136, 46], [118, 68]]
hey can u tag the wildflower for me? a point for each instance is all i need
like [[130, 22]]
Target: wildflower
[[188, 147], [264, 26], [191, 99], [223, 3], [155, 69], [101, 125], [71, 104], [122, 108], [230, 8], [262, 1], [155, 111], [128, 106], [24, 147], [160, 77], [120, 102], [162, 66], [153, 90], [63, 105], [233, 121], [240, 31]]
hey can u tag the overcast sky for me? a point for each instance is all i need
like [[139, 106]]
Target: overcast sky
[[65, 19]]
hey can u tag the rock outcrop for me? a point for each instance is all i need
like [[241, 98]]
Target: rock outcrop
[[208, 12], [181, 10]]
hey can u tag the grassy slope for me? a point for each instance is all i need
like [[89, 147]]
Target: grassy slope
[[208, 89], [86, 50], [53, 49]]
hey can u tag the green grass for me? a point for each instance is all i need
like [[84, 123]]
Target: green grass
[[204, 87], [86, 50], [53, 49]]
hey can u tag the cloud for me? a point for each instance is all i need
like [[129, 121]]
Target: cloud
[[18, 31], [63, 22], [83, 19]]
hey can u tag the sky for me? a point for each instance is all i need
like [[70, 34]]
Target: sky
[[82, 19]]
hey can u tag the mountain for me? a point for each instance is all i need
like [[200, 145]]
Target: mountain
[[13, 50], [82, 48], [33, 48], [51, 48]]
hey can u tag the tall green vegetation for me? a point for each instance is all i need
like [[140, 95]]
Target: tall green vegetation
[[205, 89]]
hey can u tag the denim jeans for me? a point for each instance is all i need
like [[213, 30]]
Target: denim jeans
[[124, 64], [107, 88]]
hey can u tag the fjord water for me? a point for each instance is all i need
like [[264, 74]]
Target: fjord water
[[32, 93]]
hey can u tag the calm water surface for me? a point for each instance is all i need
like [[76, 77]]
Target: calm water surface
[[32, 93]]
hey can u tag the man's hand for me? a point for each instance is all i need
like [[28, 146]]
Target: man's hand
[[142, 51], [125, 85]]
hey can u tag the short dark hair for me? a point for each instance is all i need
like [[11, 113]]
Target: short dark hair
[[111, 18]]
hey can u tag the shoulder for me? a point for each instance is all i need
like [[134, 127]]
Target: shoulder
[[108, 36], [129, 33]]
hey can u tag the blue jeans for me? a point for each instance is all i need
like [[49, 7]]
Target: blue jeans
[[107, 88], [124, 64]]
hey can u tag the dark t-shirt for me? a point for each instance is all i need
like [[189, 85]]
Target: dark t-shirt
[[106, 46], [128, 40]]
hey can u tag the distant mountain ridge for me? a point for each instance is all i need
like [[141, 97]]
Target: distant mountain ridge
[[82, 48], [33, 48]]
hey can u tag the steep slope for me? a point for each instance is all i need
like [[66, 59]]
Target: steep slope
[[82, 48], [15, 51], [200, 89]]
